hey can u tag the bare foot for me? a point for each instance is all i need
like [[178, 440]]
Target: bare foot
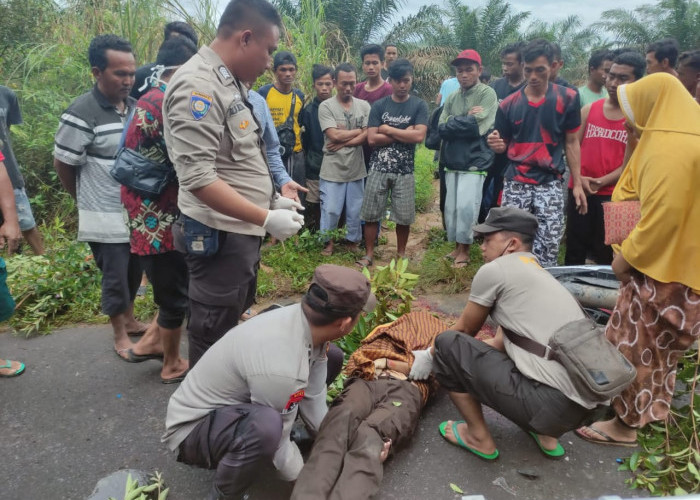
[[149, 344], [121, 348], [486, 446], [548, 442], [609, 431], [384, 454], [134, 327], [452, 255], [177, 369], [352, 247], [248, 314], [328, 251]]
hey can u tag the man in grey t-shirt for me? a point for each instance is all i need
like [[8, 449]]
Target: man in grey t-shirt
[[343, 120], [535, 393]]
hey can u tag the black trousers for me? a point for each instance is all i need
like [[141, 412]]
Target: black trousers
[[235, 440], [121, 275], [585, 234], [466, 365], [221, 287]]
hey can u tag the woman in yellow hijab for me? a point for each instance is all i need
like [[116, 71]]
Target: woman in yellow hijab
[[657, 315]]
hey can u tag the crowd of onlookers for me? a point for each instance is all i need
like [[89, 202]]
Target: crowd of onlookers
[[523, 161]]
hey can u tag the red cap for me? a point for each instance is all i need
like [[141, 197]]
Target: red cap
[[467, 55]]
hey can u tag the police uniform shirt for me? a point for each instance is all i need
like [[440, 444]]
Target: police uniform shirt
[[269, 360], [211, 134]]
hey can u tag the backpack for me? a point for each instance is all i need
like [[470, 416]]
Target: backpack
[[432, 138]]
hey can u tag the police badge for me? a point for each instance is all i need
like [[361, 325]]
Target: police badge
[[199, 104]]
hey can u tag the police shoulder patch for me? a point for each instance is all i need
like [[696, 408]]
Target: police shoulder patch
[[199, 104]]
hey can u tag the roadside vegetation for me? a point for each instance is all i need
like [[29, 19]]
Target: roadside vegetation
[[43, 58]]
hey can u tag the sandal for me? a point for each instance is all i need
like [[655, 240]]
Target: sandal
[[365, 261], [605, 439], [16, 373], [489, 457]]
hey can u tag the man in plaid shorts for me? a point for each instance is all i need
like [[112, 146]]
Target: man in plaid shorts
[[396, 124]]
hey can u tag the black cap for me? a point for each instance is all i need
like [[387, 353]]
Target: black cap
[[283, 57], [508, 219]]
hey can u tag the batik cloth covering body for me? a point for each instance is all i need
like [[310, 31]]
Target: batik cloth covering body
[[378, 404]]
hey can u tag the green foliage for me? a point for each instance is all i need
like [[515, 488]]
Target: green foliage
[[60, 287], [155, 490], [670, 456], [423, 175], [393, 286], [637, 28], [296, 258], [436, 268]]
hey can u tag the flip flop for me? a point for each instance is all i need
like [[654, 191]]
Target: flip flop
[[555, 454], [131, 357], [19, 371], [174, 380], [484, 456], [459, 264], [365, 261], [607, 440]]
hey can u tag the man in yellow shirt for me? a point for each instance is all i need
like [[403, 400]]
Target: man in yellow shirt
[[285, 103]]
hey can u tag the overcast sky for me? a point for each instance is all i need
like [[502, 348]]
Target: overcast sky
[[548, 10]]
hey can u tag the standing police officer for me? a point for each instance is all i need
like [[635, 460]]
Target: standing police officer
[[227, 198]]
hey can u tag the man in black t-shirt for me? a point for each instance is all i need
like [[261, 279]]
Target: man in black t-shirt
[[512, 81], [396, 124]]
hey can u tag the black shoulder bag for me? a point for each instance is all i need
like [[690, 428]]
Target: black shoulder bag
[[285, 132]]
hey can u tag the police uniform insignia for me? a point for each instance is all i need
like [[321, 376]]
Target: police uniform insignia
[[223, 71], [244, 124], [293, 402], [199, 104]]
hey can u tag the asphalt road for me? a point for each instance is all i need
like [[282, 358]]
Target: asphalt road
[[79, 413]]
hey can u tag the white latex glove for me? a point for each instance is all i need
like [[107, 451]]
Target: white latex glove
[[422, 365], [282, 224], [282, 203]]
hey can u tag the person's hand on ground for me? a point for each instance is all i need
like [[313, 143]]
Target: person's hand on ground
[[291, 190], [282, 224], [495, 142], [422, 365], [284, 203], [384, 454], [580, 200]]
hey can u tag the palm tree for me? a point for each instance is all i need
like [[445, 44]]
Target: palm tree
[[576, 42], [637, 28]]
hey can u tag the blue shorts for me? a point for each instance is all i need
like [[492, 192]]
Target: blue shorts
[[24, 211]]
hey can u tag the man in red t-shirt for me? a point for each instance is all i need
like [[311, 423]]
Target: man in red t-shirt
[[534, 126], [603, 138]]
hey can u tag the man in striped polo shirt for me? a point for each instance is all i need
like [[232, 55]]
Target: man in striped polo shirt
[[86, 144]]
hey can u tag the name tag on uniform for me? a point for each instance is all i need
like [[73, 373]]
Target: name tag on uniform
[[236, 108]]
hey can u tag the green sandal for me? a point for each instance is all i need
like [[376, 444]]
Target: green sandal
[[484, 456], [554, 454], [16, 373]]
